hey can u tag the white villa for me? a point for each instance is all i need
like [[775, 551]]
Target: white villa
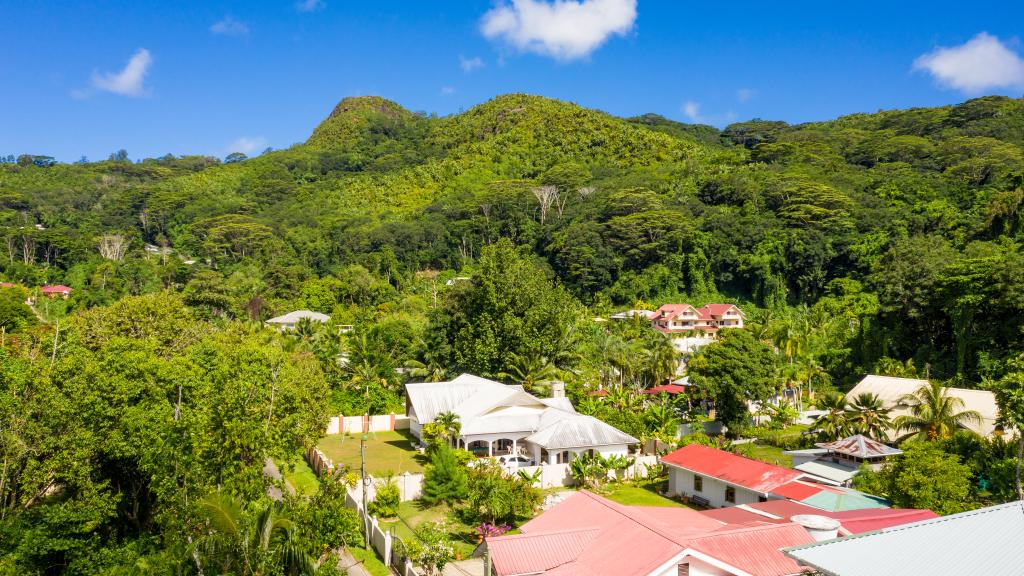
[[290, 320], [500, 419]]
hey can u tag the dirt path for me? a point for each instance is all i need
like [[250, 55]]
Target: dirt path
[[349, 565]]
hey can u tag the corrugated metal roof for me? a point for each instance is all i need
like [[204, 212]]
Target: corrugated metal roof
[[860, 446], [756, 549], [798, 490], [576, 431], [985, 541], [836, 499], [828, 470], [731, 468], [890, 389], [860, 521], [294, 317], [538, 552]]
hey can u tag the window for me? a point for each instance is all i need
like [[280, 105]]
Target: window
[[698, 484], [730, 494]]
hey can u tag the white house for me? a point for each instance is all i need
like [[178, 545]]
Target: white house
[[890, 390], [499, 419], [290, 320]]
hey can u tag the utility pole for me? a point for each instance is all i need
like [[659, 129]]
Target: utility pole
[[366, 488]]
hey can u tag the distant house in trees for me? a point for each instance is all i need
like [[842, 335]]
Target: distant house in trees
[[53, 291], [290, 320], [709, 319], [840, 461]]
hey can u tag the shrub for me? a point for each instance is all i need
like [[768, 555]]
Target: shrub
[[445, 480], [385, 502]]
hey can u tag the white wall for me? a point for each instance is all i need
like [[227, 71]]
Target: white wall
[[698, 567], [681, 482]]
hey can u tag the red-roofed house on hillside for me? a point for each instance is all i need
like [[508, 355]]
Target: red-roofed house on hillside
[[676, 318], [718, 478], [587, 535], [52, 291]]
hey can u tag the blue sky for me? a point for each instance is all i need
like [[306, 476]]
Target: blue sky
[[212, 77]]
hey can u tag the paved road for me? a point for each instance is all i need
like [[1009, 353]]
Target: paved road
[[270, 469]]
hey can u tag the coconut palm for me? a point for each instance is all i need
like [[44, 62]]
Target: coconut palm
[[663, 360], [624, 399], [529, 370], [869, 416], [934, 414], [449, 422], [608, 348], [834, 423]]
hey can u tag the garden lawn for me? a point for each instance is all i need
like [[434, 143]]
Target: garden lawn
[[765, 453], [301, 477], [640, 495], [385, 452], [413, 513], [374, 565]]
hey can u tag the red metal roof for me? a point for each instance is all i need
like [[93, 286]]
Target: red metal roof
[[666, 388], [728, 467], [634, 540], [756, 549], [55, 289], [798, 490], [598, 393], [858, 521]]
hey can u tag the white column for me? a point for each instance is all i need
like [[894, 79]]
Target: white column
[[490, 447], [514, 450]]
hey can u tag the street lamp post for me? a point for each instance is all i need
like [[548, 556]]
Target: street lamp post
[[366, 488]]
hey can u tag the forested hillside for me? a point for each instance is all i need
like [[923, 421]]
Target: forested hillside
[[909, 220]]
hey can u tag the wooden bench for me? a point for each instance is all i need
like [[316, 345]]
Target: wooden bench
[[700, 501]]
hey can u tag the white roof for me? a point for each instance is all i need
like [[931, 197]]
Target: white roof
[[294, 317], [890, 389], [831, 471], [488, 407], [984, 541]]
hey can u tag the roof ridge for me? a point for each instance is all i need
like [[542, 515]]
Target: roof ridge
[[622, 509], [524, 535], [929, 521]]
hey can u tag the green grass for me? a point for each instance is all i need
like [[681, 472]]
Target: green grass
[[414, 513], [301, 477], [640, 495], [765, 453], [374, 565], [385, 452]]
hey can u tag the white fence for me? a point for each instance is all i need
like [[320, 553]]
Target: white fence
[[366, 423], [381, 541]]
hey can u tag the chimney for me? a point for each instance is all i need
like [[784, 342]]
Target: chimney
[[819, 527], [557, 389]]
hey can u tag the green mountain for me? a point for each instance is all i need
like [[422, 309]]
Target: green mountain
[[885, 205]]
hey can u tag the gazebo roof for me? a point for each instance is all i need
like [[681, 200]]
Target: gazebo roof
[[860, 446]]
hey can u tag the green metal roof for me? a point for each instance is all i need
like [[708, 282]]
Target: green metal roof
[[842, 500]]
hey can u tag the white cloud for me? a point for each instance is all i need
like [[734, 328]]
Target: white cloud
[[691, 110], [229, 27], [470, 64], [744, 94], [247, 145], [981, 64], [447, 90], [562, 29], [310, 5], [128, 82]]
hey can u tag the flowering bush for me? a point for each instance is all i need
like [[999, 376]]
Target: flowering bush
[[487, 530]]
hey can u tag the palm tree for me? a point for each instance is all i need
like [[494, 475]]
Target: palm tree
[[427, 372], [661, 417], [529, 370], [934, 414], [608, 348], [869, 416], [449, 421], [624, 399], [834, 423], [663, 360]]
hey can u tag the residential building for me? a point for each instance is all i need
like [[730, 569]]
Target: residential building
[[590, 535], [851, 521], [716, 478], [55, 290], [890, 390], [290, 320], [984, 541], [682, 318], [501, 419], [839, 461]]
